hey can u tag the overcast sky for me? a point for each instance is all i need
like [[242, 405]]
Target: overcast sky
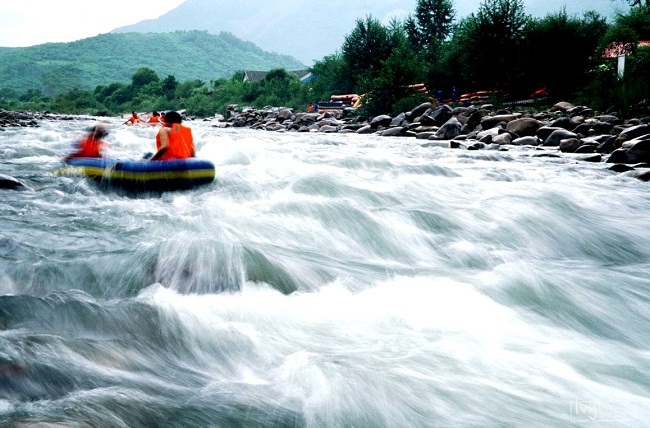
[[32, 22]]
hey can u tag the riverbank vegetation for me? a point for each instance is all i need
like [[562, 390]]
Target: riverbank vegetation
[[498, 48]]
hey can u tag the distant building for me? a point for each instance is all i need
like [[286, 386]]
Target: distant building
[[256, 76]]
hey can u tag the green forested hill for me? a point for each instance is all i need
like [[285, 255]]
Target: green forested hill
[[54, 68]]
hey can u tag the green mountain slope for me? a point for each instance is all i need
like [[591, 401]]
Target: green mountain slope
[[107, 58]]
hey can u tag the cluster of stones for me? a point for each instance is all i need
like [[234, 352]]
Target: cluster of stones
[[27, 119], [564, 128]]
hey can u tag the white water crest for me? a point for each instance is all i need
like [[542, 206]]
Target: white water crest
[[323, 280]]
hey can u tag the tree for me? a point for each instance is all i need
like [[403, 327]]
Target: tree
[[432, 24], [365, 47], [332, 76], [639, 3], [574, 43], [389, 91], [487, 46], [143, 77]]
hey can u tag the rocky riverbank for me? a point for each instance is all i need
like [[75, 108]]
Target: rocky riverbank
[[27, 119], [561, 130]]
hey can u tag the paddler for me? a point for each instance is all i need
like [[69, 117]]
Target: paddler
[[174, 141], [133, 119], [92, 146]]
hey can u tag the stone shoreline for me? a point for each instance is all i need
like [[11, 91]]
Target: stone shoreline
[[562, 129]]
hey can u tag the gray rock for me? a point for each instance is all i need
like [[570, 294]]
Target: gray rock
[[636, 131], [380, 121], [449, 130], [618, 156], [524, 127], [556, 136], [639, 153], [8, 182], [488, 122], [619, 167], [569, 145], [502, 139], [419, 110], [399, 131], [526, 141]]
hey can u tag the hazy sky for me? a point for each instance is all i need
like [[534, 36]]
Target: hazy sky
[[32, 22]]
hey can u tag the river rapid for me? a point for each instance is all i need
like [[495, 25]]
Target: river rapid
[[323, 280]]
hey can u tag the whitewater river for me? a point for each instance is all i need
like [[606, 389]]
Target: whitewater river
[[323, 280]]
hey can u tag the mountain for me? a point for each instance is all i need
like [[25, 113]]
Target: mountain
[[109, 58], [310, 30]]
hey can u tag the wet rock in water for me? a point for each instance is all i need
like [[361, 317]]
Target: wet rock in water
[[635, 131], [395, 132], [448, 130], [383, 120], [557, 136], [526, 141], [644, 176], [569, 145], [619, 167], [639, 152], [524, 127], [8, 182]]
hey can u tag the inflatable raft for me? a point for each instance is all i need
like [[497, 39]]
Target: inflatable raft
[[143, 175]]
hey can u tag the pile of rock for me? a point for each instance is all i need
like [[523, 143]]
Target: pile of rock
[[27, 118], [564, 128]]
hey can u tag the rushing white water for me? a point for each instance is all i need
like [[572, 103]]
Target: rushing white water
[[323, 280]]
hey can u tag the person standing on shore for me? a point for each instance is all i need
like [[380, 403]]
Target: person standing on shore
[[174, 141]]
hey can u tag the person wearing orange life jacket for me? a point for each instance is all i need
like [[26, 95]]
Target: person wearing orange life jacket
[[133, 119], [92, 146], [174, 141], [154, 119]]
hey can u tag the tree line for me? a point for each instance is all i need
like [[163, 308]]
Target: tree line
[[498, 48]]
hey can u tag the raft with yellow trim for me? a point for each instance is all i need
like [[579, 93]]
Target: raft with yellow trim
[[143, 175]]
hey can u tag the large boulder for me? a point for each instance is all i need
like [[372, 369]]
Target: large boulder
[[437, 116], [524, 127], [639, 152], [8, 182], [526, 141], [488, 122], [284, 114], [367, 129], [636, 131], [420, 110], [383, 120], [398, 131], [562, 106], [448, 130], [502, 139], [569, 145], [565, 123], [557, 136], [398, 120]]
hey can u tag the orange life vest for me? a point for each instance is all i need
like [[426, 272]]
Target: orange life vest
[[133, 119], [89, 148], [181, 143], [154, 120]]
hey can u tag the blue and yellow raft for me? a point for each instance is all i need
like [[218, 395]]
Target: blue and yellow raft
[[143, 175]]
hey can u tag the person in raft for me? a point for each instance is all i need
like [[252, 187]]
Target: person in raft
[[154, 119], [92, 146], [174, 141], [133, 119]]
